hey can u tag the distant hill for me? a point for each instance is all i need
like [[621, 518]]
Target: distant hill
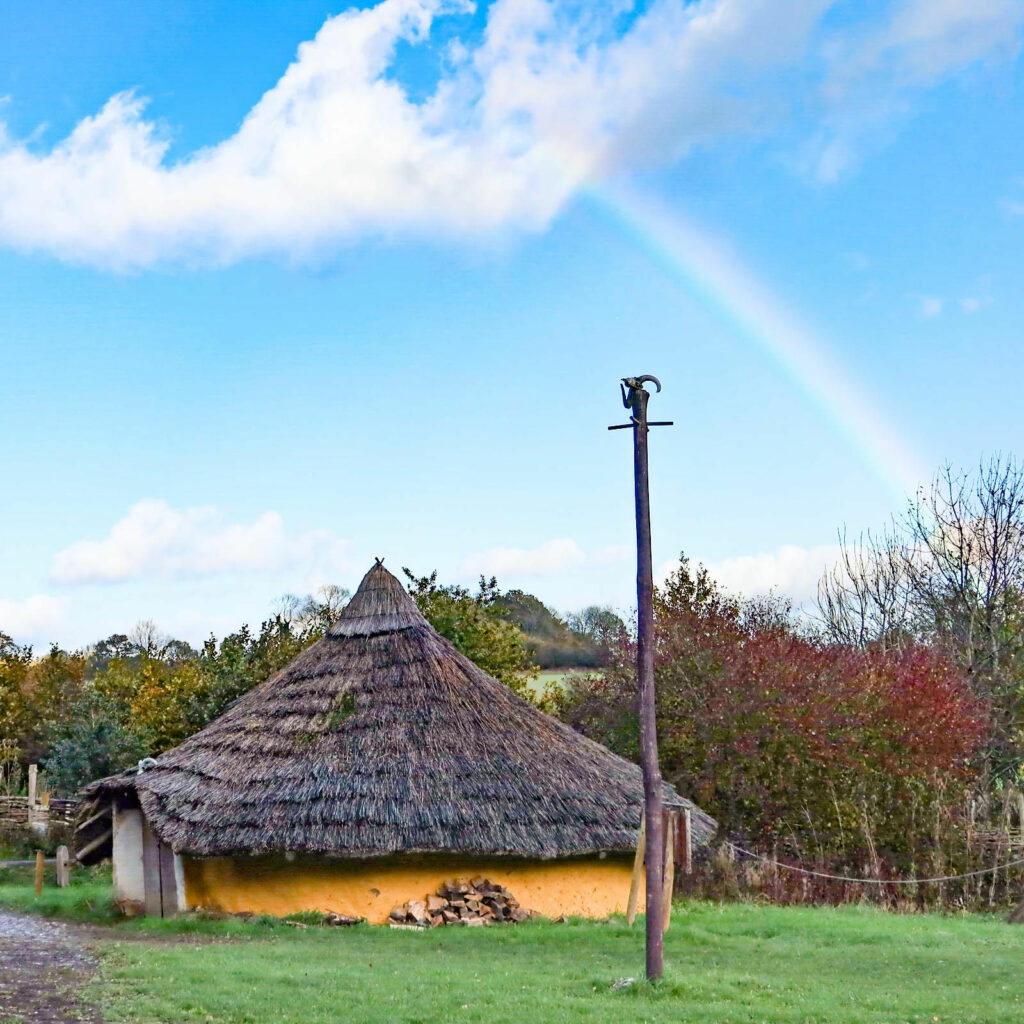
[[554, 642]]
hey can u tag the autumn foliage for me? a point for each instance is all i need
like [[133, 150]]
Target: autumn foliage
[[840, 755]]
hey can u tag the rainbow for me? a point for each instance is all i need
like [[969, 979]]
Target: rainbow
[[705, 267]]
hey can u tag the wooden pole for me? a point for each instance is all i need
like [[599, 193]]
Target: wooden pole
[[655, 961], [95, 844], [39, 871], [669, 871], [635, 398], [687, 841], [638, 870]]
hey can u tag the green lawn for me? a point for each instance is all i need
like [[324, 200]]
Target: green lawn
[[732, 963], [557, 676]]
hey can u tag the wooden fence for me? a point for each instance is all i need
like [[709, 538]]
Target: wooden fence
[[19, 811]]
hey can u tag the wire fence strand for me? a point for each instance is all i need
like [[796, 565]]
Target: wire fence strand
[[874, 881]]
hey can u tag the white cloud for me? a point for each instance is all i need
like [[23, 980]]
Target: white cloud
[[930, 305], [554, 96], [155, 540], [791, 570], [972, 303], [554, 556], [33, 619]]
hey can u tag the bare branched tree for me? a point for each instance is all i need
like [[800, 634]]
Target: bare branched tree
[[968, 564], [315, 612], [949, 571], [866, 598], [148, 638]]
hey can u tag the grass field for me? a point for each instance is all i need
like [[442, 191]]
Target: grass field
[[733, 963], [556, 676]]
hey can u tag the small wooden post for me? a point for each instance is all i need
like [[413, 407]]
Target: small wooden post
[[33, 777], [63, 867], [638, 870], [687, 851], [669, 870], [39, 871]]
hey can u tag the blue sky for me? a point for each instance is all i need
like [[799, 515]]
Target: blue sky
[[248, 344]]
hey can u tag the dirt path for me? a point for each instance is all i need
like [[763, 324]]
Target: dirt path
[[42, 969]]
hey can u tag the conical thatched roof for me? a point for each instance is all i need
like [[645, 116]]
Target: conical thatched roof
[[382, 738]]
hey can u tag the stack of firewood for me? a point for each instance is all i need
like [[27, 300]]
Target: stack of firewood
[[476, 902]]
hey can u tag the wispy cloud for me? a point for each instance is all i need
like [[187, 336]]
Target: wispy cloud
[[876, 67], [930, 306], [552, 557], [973, 303], [154, 541], [555, 94], [32, 620]]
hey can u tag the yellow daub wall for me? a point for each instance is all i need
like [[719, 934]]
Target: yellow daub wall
[[589, 887]]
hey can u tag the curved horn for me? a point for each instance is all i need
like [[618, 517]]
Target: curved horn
[[649, 377]]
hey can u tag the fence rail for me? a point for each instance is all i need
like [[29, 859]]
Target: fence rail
[[20, 811]]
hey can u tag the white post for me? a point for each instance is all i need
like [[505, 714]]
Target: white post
[[33, 772], [63, 866]]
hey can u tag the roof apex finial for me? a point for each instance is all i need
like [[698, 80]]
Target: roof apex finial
[[379, 561]]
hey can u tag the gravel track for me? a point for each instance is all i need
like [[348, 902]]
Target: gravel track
[[42, 969]]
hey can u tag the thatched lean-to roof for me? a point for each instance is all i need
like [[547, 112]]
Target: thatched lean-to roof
[[382, 738]]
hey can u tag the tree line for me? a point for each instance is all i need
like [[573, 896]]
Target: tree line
[[883, 734], [85, 714]]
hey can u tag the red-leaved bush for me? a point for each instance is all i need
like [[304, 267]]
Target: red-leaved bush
[[827, 754]]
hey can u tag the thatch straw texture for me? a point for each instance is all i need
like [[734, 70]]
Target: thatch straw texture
[[382, 738]]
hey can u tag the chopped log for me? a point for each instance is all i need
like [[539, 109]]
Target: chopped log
[[341, 920], [459, 902]]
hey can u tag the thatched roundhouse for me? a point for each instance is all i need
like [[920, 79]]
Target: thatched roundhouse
[[377, 764]]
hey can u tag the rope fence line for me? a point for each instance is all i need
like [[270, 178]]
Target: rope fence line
[[874, 881]]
